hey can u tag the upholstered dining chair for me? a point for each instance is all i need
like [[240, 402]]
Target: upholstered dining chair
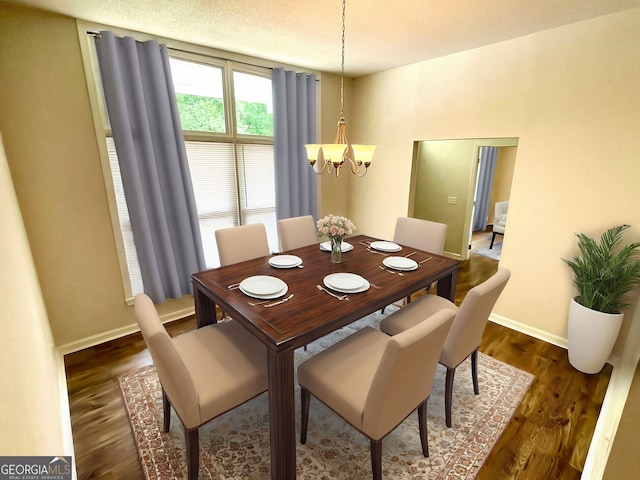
[[500, 221], [374, 381], [297, 232], [421, 234], [245, 242], [203, 373], [466, 332], [238, 244]]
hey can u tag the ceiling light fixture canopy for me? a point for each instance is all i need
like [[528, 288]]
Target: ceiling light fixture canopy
[[334, 155]]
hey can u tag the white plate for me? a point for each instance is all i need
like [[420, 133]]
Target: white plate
[[385, 246], [326, 246], [285, 261], [346, 283], [400, 263], [263, 286]]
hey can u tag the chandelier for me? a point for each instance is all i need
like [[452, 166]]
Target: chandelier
[[334, 155]]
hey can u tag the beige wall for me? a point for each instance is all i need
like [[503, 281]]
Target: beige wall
[[571, 96], [33, 395], [53, 157]]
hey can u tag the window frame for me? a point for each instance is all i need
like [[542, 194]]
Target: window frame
[[232, 61]]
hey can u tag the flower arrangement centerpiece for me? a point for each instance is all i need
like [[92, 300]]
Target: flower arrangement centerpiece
[[335, 227]]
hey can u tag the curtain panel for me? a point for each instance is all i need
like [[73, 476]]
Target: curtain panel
[[486, 171], [147, 134], [294, 125]]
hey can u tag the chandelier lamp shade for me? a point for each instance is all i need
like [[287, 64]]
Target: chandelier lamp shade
[[331, 156]]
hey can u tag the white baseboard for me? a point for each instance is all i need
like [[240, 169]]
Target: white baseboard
[[118, 332], [528, 330]]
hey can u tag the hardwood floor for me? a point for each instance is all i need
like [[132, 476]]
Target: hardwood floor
[[548, 436]]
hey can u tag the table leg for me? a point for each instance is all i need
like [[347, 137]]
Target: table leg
[[447, 286], [282, 415], [205, 309]]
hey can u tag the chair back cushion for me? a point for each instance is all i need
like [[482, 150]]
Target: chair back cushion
[[173, 374], [297, 232], [405, 374], [422, 234], [466, 332], [238, 244]]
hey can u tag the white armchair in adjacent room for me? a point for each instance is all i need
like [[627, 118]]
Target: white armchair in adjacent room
[[500, 220]]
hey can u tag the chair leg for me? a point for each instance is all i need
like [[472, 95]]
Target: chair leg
[[493, 238], [474, 371], [304, 413], [166, 411], [448, 394], [422, 425], [193, 453], [376, 459]]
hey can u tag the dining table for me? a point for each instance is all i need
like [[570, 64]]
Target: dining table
[[308, 309]]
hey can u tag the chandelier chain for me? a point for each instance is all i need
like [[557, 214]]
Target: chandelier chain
[[344, 8]]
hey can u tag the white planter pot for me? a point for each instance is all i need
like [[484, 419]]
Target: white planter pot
[[591, 337]]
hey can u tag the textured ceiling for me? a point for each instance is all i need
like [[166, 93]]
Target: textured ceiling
[[380, 34]]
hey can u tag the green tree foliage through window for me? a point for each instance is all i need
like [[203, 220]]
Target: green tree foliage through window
[[253, 119], [201, 114]]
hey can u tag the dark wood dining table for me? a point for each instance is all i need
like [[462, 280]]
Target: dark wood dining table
[[310, 314]]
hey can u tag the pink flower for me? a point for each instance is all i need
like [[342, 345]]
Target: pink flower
[[334, 225]]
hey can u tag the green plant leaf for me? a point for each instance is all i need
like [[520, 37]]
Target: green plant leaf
[[604, 274]]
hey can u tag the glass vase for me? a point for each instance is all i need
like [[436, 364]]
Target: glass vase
[[336, 248]]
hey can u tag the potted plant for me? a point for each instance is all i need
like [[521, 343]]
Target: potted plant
[[603, 274]]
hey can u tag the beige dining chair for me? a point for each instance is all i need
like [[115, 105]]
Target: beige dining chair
[[238, 244], [297, 232], [203, 373], [421, 234], [465, 334], [374, 381]]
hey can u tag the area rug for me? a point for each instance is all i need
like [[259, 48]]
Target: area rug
[[236, 444], [493, 253]]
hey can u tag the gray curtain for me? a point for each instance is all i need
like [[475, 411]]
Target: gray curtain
[[294, 125], [488, 157], [147, 134]]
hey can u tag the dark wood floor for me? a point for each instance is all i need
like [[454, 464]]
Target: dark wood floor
[[548, 437]]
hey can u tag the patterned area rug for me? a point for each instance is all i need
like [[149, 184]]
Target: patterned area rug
[[236, 444]]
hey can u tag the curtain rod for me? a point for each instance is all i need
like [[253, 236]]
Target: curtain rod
[[95, 34]]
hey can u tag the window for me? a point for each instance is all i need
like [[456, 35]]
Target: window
[[227, 118]]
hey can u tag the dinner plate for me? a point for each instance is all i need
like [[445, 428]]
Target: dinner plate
[[346, 282], [400, 263], [326, 246], [285, 261], [385, 246], [263, 286]]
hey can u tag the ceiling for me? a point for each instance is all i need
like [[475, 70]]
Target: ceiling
[[380, 34]]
